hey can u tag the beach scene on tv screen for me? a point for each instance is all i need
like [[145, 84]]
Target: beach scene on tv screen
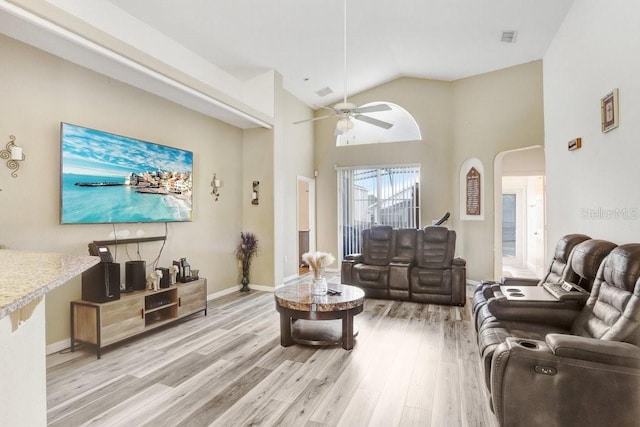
[[108, 178]]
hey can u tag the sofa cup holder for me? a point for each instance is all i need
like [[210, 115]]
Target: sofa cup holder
[[530, 345]]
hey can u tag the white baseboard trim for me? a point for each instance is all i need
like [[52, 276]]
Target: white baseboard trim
[[473, 282], [237, 288], [262, 288], [290, 278], [57, 346], [223, 292]]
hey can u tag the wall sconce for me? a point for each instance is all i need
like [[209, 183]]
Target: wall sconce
[[13, 154], [254, 193], [215, 187]]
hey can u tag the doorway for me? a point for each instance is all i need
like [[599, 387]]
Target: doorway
[[306, 220], [520, 226]]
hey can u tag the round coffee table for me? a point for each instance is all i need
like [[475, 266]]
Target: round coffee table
[[318, 320]]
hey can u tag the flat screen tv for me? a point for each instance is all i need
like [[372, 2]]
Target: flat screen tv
[[107, 178]]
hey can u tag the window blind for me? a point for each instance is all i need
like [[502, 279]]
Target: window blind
[[376, 195]]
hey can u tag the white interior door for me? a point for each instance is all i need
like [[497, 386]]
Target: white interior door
[[306, 216], [513, 226], [536, 225]]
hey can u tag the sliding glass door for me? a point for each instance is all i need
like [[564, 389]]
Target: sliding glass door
[[376, 195]]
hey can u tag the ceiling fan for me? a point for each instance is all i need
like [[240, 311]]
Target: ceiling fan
[[346, 110]]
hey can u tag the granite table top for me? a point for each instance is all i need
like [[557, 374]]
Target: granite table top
[[26, 276], [298, 297]]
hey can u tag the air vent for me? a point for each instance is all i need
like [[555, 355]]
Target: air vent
[[324, 92], [509, 36]]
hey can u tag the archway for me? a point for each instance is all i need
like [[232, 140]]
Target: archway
[[519, 177]]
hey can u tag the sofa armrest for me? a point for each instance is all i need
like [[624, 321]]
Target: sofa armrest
[[402, 260], [483, 284], [491, 291], [459, 282], [459, 262], [554, 313], [594, 350], [346, 270], [519, 281], [353, 257], [576, 293], [525, 371]]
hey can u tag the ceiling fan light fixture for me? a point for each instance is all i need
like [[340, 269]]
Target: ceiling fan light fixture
[[344, 125]]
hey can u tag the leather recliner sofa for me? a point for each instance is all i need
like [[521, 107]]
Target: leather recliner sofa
[[558, 270], [437, 276], [580, 270], [408, 264], [587, 374]]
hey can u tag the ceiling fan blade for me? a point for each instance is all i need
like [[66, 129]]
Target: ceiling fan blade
[[373, 121], [314, 119], [372, 108], [330, 109]]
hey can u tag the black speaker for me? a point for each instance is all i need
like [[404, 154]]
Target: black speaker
[[164, 281], [101, 283], [135, 275]]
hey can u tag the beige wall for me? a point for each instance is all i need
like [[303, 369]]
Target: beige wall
[[524, 162], [430, 102], [493, 112], [257, 165], [39, 91], [297, 162], [276, 158], [593, 190], [475, 117]]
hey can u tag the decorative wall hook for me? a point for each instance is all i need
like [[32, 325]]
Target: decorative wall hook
[[215, 187], [13, 154], [255, 199]]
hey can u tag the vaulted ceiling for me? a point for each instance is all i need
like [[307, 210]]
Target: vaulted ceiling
[[303, 39]]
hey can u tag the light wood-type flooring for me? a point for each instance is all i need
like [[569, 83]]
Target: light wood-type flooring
[[412, 365]]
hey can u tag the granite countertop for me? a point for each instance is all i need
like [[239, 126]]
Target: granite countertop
[[25, 276], [298, 297]]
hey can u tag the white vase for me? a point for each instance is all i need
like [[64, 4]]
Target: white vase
[[319, 286]]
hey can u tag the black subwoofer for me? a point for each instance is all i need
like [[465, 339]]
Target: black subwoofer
[[135, 275], [101, 283], [164, 281]]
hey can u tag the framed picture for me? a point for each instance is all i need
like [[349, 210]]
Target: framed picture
[[610, 111]]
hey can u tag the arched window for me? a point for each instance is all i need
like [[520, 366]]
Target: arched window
[[404, 128]]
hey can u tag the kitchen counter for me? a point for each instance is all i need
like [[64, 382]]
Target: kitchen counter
[[27, 276], [25, 279]]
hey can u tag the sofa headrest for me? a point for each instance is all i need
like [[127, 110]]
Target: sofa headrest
[[436, 234], [380, 232], [566, 245], [587, 257], [622, 267]]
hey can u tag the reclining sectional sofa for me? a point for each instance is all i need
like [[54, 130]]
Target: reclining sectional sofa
[[574, 361], [408, 264]]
